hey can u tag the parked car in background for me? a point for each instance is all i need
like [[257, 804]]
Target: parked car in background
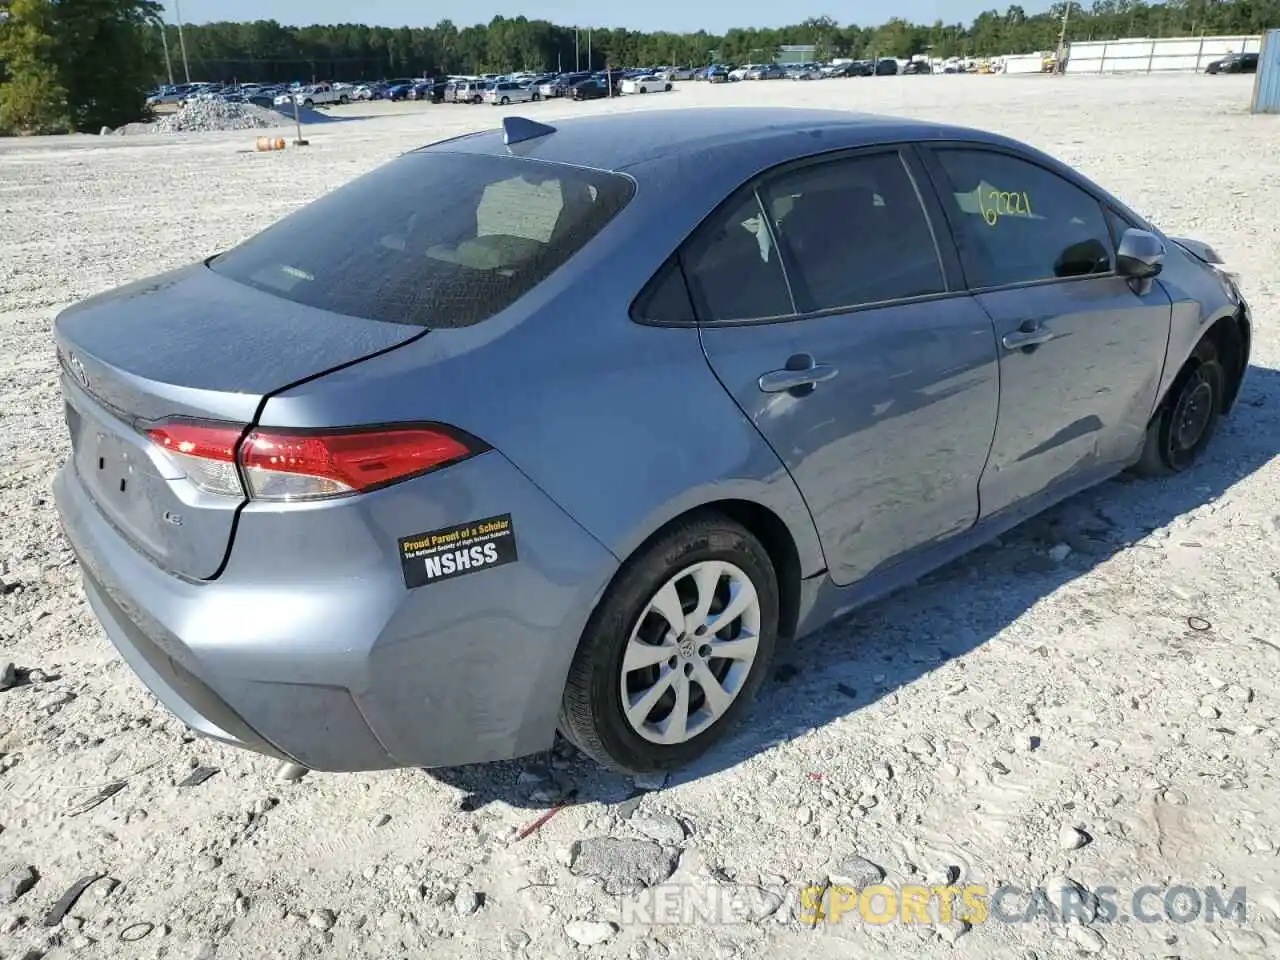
[[714, 74], [504, 92], [313, 95], [917, 67], [886, 67], [676, 73], [593, 88], [1235, 63], [650, 83], [468, 91], [806, 73], [861, 351]]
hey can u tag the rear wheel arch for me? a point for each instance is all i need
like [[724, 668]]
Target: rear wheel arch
[[762, 523]]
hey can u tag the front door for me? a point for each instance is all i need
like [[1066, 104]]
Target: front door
[[1081, 353], [825, 311]]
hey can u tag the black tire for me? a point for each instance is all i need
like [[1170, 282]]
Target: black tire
[[1188, 417], [506, 101], [308, 103], [591, 713], [344, 99]]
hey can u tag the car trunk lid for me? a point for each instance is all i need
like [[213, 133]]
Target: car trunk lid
[[189, 344]]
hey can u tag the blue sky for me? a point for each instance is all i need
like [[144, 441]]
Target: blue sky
[[679, 15]]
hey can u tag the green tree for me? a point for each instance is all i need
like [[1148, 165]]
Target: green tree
[[104, 59], [33, 99]]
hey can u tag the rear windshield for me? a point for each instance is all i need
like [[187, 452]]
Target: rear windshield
[[431, 239]]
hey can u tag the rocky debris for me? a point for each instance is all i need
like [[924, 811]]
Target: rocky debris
[[855, 871], [208, 116], [804, 816], [1086, 938], [624, 866], [17, 882], [920, 747], [380, 820], [1071, 838], [8, 676], [589, 933], [322, 919], [981, 720], [1059, 552], [649, 781], [952, 930], [466, 900], [206, 863], [662, 827]]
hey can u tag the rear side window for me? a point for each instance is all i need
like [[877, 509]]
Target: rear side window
[[1016, 222], [733, 267], [853, 232], [431, 239]]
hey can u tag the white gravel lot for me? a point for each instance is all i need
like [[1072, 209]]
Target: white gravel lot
[[954, 729]]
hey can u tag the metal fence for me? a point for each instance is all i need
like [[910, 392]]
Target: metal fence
[[1154, 55]]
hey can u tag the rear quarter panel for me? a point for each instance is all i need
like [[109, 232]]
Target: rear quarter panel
[[623, 425]]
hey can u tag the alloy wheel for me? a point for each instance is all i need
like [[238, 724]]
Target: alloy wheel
[[690, 652]]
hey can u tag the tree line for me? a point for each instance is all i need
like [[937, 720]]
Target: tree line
[[266, 51], [81, 64]]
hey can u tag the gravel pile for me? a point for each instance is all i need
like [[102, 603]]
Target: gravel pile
[[206, 116]]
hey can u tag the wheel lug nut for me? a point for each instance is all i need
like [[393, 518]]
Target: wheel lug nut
[[688, 669], [704, 651]]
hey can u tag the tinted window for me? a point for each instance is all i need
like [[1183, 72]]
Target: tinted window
[[431, 239], [733, 268], [853, 232], [665, 298], [1018, 222]]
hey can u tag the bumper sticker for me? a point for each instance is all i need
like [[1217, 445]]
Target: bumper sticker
[[457, 550]]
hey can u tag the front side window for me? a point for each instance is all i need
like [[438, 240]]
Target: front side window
[[431, 239], [1016, 222], [853, 232]]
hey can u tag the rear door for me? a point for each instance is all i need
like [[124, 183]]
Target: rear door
[[827, 310], [1081, 353]]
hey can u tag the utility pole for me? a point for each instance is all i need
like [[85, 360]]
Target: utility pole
[[164, 36], [1062, 38], [182, 41], [589, 60], [577, 56]]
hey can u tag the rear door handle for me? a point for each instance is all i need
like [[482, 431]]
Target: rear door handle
[[789, 378], [1027, 336]]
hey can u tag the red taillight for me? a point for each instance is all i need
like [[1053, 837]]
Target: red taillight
[[292, 465], [205, 452]]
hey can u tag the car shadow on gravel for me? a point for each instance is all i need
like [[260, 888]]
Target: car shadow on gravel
[[867, 656]]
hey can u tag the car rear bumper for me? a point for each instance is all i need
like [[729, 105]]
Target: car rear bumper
[[312, 648]]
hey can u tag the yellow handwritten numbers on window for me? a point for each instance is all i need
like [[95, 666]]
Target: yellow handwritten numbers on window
[[995, 204]]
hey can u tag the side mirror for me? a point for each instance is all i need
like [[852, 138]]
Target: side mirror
[[1140, 256]]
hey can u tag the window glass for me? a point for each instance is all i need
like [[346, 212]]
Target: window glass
[[665, 299], [853, 232], [1017, 222], [733, 268], [431, 239]]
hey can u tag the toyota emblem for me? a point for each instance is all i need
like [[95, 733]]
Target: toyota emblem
[[78, 369]]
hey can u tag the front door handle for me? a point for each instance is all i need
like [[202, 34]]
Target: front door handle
[[1028, 335], [795, 377]]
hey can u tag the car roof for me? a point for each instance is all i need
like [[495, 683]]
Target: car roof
[[640, 138]]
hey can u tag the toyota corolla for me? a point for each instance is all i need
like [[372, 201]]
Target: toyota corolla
[[568, 427]]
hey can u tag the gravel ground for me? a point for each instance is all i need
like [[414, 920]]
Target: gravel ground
[[1107, 717]]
